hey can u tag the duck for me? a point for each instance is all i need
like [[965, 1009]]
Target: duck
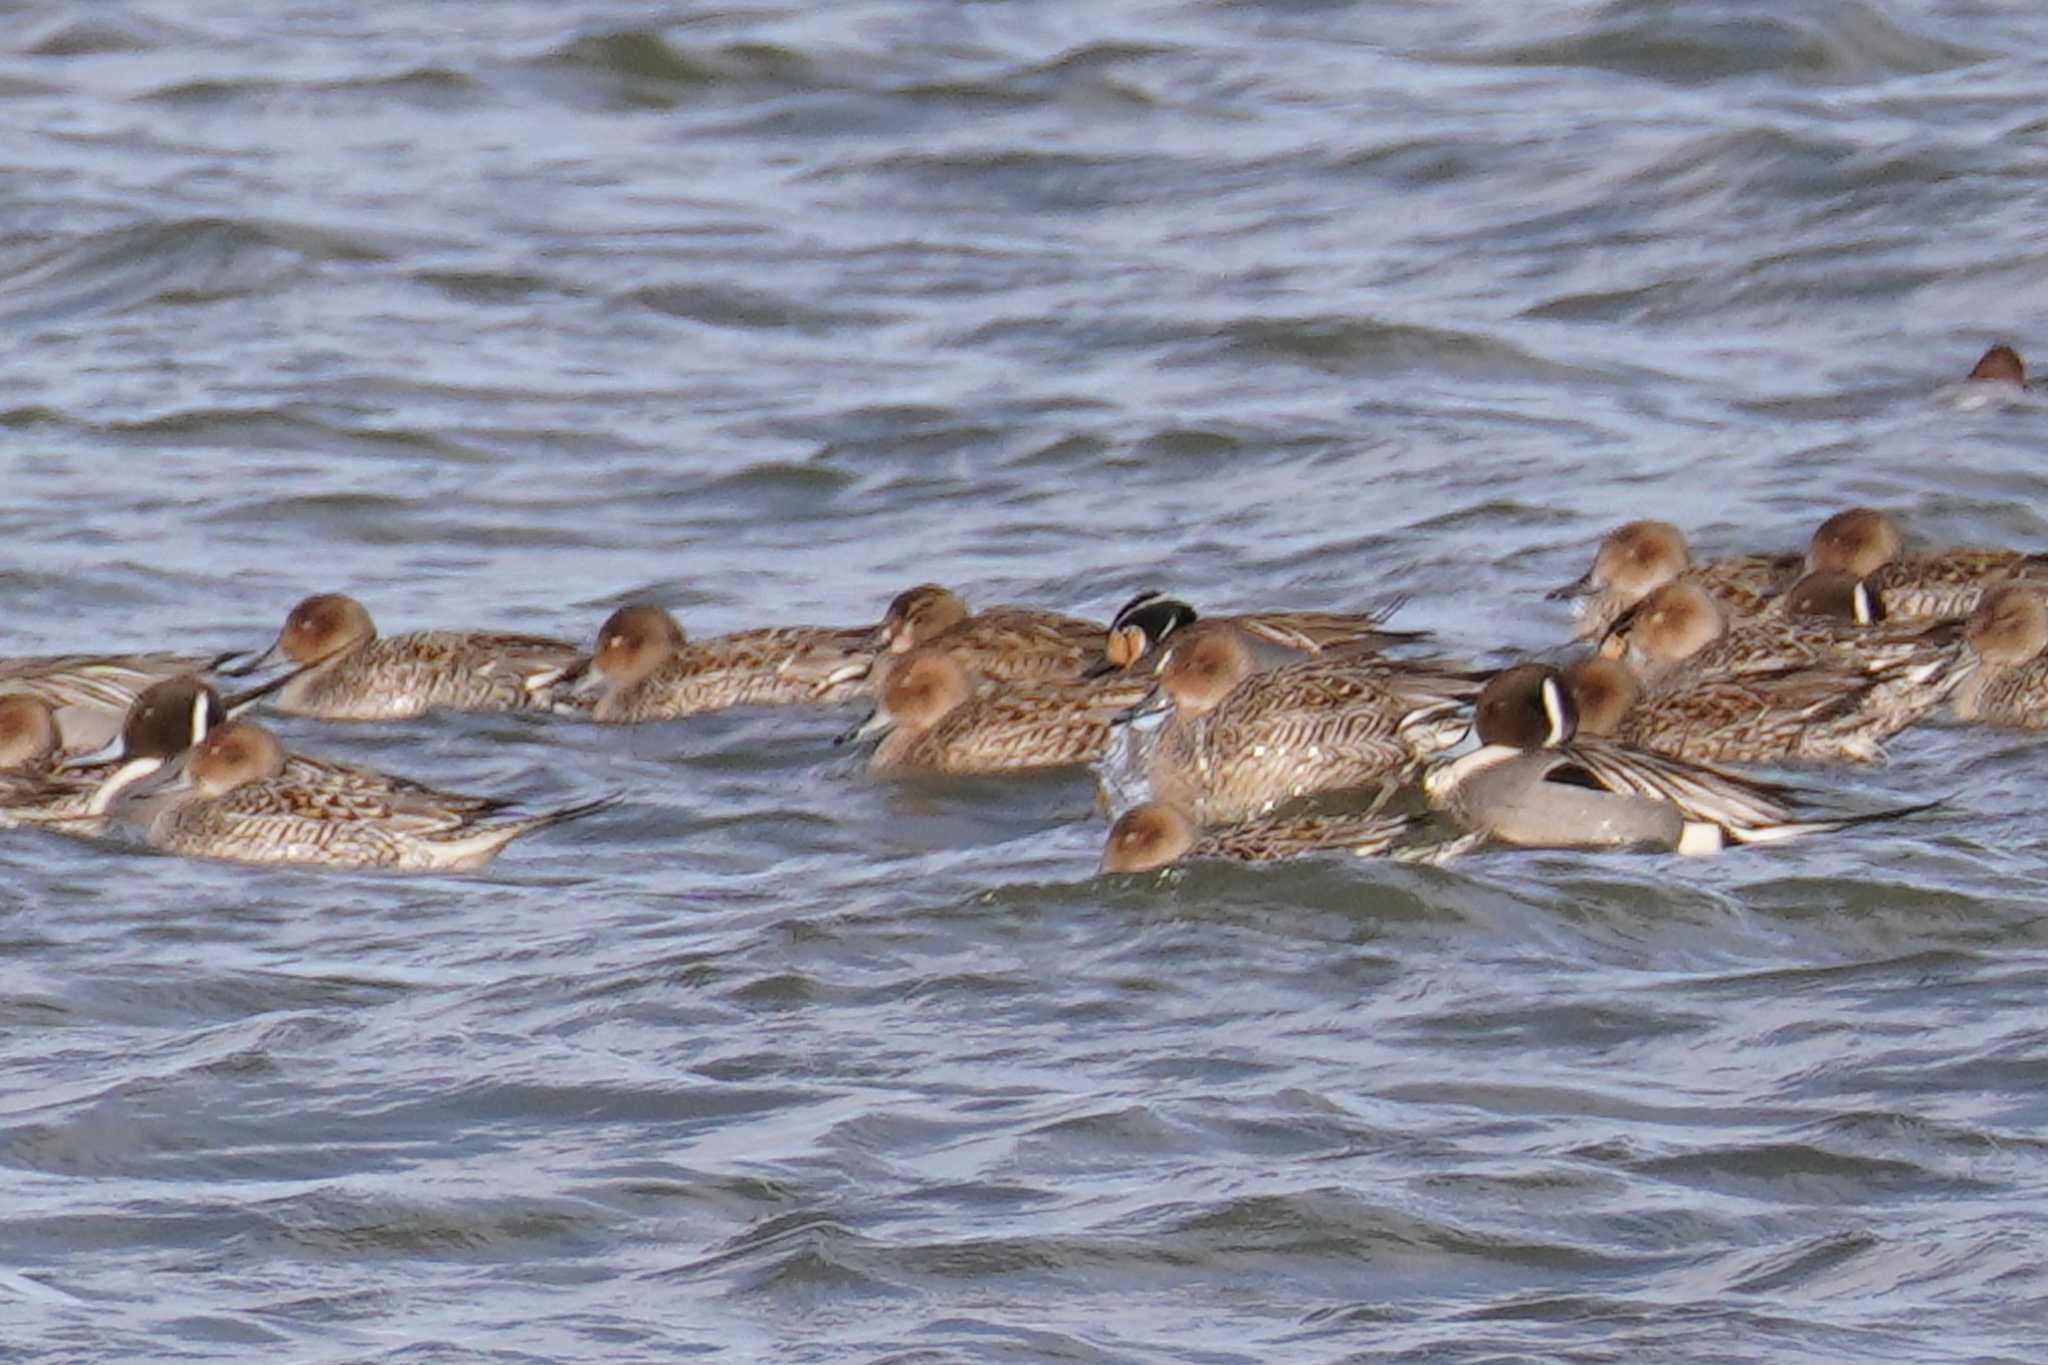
[[1240, 740], [91, 693], [934, 714], [175, 715], [347, 671], [643, 668], [166, 718], [1534, 781], [1141, 627], [1947, 585], [1001, 643], [1679, 636], [1158, 833], [33, 789], [1638, 557], [235, 799], [1822, 714], [2006, 660]]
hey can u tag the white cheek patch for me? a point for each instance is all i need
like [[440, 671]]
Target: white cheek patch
[[1554, 711], [199, 701], [122, 778]]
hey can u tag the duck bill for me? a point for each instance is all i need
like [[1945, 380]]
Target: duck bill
[[876, 723], [240, 702], [255, 664], [1582, 586]]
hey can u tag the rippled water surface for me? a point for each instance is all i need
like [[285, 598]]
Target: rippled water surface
[[505, 313]]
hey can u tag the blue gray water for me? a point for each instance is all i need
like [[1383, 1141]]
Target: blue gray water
[[505, 313]]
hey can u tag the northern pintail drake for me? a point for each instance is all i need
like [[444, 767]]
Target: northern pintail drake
[[643, 668], [1533, 781], [1679, 636], [236, 799], [167, 718], [1004, 643], [349, 672], [1158, 833], [1636, 559], [937, 716], [2000, 365], [1241, 740], [1142, 627], [2006, 660], [1946, 585], [1827, 714], [90, 693]]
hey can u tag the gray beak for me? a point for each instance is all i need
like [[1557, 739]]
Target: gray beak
[[876, 722]]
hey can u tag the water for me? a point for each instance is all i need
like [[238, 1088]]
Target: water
[[505, 313]]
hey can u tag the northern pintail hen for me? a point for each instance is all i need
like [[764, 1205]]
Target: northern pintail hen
[[33, 790], [350, 672], [1142, 627], [1946, 585], [1534, 781], [643, 668], [935, 715], [1004, 643], [1828, 714], [1636, 559], [2005, 655], [1680, 636], [236, 799], [1157, 833], [90, 693], [1241, 740]]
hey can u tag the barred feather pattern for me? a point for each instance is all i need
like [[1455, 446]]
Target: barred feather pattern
[[777, 666], [286, 821], [1038, 724], [1822, 715], [1270, 839], [1949, 585], [399, 676], [1017, 644], [1320, 725], [1779, 645], [2015, 695]]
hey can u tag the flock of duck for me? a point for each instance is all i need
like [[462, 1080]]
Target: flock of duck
[[1255, 736]]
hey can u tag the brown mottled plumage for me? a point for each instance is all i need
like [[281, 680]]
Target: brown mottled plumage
[[352, 673], [1241, 741], [241, 803], [1157, 833], [643, 668], [1679, 636], [1946, 585], [941, 718], [1637, 558], [1005, 643], [1816, 714], [2006, 661]]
